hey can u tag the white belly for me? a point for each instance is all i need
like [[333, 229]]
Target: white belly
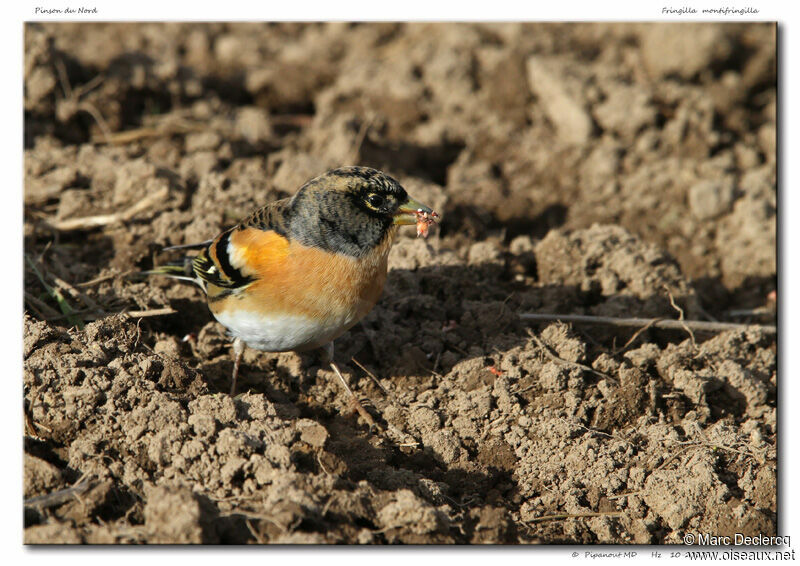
[[281, 333]]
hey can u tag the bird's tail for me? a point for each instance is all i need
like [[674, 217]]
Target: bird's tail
[[177, 269], [181, 269]]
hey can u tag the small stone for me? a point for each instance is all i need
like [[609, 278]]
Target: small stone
[[312, 432], [709, 199]]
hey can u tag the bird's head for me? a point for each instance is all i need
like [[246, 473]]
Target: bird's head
[[353, 209]]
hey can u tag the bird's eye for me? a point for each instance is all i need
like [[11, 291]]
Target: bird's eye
[[375, 200]]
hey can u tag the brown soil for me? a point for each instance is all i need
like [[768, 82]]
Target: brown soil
[[580, 168]]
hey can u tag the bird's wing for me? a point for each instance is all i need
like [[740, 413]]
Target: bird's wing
[[235, 258]]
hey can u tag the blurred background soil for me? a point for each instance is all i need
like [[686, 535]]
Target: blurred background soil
[[602, 169]]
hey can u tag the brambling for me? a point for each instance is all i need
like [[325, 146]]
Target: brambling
[[299, 272]]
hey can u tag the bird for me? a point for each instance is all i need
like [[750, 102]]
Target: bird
[[299, 272]]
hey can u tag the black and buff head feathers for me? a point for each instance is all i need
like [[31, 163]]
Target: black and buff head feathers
[[350, 210]]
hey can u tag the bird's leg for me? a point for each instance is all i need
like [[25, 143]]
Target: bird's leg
[[238, 350], [328, 355]]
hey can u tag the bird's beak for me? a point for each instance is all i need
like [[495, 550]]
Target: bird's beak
[[407, 213]]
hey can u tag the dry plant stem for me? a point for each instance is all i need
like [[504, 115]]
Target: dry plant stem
[[254, 516], [73, 97], [672, 458], [163, 128], [91, 304], [129, 136], [680, 316], [58, 497], [653, 322], [253, 532], [105, 219], [89, 315], [634, 337], [356, 403], [154, 312], [102, 278], [760, 311], [65, 307], [374, 378], [42, 308], [32, 427], [62, 76], [94, 113], [564, 516], [391, 396]]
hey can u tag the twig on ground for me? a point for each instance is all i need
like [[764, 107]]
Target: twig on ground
[[669, 460], [700, 325], [296, 120], [42, 309], [253, 532], [153, 312], [102, 278], [401, 434], [104, 219], [564, 516], [167, 125], [60, 496], [457, 349], [635, 336], [757, 312], [322, 467], [65, 307], [40, 259], [89, 315], [586, 428], [706, 314], [128, 136], [503, 306], [436, 365], [252, 515], [31, 426], [615, 436], [88, 301], [71, 104], [373, 377], [680, 316]]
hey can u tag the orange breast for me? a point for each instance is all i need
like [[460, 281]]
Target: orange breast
[[294, 279]]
